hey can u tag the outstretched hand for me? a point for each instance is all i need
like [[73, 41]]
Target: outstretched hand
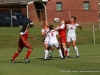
[[31, 37], [80, 23], [80, 27]]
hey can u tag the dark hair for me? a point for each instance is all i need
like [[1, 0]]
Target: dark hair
[[69, 21], [74, 18], [66, 22], [51, 27], [24, 26]]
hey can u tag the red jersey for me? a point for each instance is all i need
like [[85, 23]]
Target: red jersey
[[62, 30], [24, 35]]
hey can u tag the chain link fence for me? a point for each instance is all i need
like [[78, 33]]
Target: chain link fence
[[9, 17], [88, 19]]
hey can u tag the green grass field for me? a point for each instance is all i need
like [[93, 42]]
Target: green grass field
[[87, 64]]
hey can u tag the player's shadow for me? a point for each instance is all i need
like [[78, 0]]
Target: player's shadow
[[64, 57], [43, 58], [39, 58], [18, 62], [22, 62], [55, 57]]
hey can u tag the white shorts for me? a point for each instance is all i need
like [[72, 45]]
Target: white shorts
[[71, 38], [53, 44], [46, 41]]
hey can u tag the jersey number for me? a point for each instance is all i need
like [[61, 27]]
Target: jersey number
[[52, 34]]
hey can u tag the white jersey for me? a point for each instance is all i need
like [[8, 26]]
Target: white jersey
[[52, 38], [72, 29], [45, 30]]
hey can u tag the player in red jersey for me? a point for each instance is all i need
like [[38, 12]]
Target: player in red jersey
[[23, 43], [62, 33]]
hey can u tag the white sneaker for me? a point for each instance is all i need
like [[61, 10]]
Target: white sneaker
[[13, 61], [27, 59]]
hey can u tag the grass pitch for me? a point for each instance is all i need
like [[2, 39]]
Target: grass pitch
[[87, 64]]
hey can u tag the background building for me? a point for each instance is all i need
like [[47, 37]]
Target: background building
[[38, 10]]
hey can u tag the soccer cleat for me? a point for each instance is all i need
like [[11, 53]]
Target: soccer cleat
[[68, 57], [27, 59], [77, 56], [62, 58], [44, 59], [50, 56], [13, 61], [65, 57]]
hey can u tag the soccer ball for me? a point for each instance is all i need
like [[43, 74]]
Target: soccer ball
[[56, 19]]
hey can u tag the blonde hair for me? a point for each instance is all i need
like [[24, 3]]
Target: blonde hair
[[45, 23]]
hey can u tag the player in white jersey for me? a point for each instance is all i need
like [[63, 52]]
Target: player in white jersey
[[44, 31], [52, 37], [71, 35]]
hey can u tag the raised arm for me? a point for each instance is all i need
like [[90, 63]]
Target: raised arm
[[30, 37], [80, 27]]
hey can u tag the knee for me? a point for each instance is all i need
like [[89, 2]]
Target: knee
[[31, 48], [19, 51], [52, 48]]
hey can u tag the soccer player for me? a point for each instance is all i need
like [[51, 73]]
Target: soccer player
[[44, 31], [52, 37], [71, 35], [62, 33], [23, 43]]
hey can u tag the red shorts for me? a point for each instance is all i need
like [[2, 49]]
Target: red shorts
[[21, 44], [62, 39]]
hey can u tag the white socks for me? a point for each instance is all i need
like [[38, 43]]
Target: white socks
[[50, 52], [46, 54], [76, 49], [60, 52], [68, 50]]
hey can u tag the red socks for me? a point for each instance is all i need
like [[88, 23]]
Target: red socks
[[65, 53], [15, 55], [28, 53]]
